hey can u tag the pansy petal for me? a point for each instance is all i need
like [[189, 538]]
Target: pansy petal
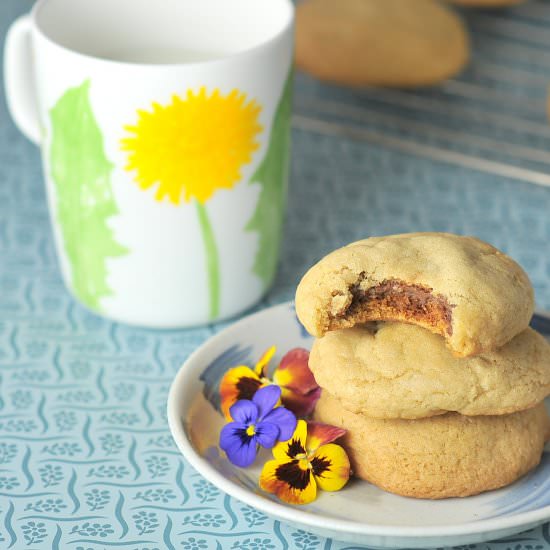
[[267, 434], [330, 466], [296, 445], [238, 383], [233, 444], [268, 480], [285, 420], [245, 455], [320, 434], [240, 449], [261, 366], [288, 481], [294, 372], [230, 433], [266, 398], [244, 411], [300, 404]]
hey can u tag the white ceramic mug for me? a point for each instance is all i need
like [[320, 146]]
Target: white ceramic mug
[[164, 129]]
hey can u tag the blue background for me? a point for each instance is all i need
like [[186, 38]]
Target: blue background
[[86, 459]]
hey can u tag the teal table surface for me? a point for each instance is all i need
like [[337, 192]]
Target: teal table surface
[[86, 458]]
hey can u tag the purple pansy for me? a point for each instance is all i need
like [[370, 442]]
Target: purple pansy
[[256, 422]]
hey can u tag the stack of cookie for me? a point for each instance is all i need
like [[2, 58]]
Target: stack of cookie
[[425, 356]]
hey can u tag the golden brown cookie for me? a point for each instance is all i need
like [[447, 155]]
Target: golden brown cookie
[[443, 456], [395, 370], [462, 288], [486, 3], [383, 43]]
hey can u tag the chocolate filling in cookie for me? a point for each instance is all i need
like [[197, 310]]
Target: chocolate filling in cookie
[[395, 300]]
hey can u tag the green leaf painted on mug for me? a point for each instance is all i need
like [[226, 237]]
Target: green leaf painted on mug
[[85, 202], [272, 175]]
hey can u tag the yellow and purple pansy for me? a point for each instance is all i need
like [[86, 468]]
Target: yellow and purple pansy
[[307, 461], [299, 391]]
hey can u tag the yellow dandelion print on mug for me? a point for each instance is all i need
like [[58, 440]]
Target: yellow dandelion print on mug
[[190, 148]]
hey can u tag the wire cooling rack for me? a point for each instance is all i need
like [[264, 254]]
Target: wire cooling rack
[[491, 118]]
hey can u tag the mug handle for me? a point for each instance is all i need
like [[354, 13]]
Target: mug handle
[[18, 78]]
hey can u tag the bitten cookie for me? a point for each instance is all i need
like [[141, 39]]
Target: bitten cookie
[[395, 370], [443, 456], [467, 291], [381, 43]]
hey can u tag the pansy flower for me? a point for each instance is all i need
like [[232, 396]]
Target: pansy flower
[[299, 391], [256, 422], [307, 461]]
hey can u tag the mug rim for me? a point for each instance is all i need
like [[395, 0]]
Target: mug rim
[[264, 44]]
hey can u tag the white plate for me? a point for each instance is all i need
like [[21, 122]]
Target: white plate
[[360, 513]]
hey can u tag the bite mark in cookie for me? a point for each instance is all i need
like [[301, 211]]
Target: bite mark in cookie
[[394, 300], [458, 287]]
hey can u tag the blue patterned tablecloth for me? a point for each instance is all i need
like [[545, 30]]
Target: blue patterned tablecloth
[[86, 458]]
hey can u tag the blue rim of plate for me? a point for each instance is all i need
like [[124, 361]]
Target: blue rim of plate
[[292, 514]]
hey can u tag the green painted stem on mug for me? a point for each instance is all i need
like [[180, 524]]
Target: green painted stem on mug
[[212, 260]]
